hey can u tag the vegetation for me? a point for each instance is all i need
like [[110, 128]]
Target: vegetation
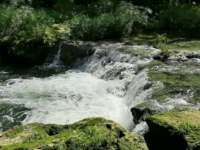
[[91, 133], [172, 18], [31, 22], [28, 28]]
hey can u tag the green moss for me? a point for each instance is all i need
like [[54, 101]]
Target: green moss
[[152, 64], [143, 38], [91, 133], [185, 123], [185, 45], [175, 83]]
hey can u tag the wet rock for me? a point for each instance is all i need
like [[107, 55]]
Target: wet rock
[[180, 55], [70, 51], [160, 56], [192, 54], [90, 133], [143, 110], [174, 131], [101, 53]]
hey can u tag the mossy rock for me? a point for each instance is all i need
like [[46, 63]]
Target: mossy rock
[[174, 131], [176, 83], [90, 134]]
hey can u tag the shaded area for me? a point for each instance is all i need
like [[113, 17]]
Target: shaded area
[[174, 131]]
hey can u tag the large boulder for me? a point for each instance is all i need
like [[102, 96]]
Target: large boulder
[[174, 131], [91, 133]]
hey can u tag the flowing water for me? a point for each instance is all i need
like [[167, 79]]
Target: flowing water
[[107, 84]]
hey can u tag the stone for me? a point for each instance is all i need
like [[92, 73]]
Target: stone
[[143, 110], [70, 51], [174, 131], [90, 133]]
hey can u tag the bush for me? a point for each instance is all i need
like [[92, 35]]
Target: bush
[[23, 33], [98, 8], [182, 17], [110, 21], [23, 22]]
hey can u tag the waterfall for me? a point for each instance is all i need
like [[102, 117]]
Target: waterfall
[[136, 93], [106, 84], [56, 61]]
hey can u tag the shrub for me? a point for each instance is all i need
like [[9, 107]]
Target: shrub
[[161, 43], [26, 33], [182, 17], [23, 22], [98, 8], [108, 21]]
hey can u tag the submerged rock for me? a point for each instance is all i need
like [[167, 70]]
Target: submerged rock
[[143, 110], [91, 133], [174, 131]]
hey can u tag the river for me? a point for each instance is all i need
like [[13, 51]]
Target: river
[[107, 84]]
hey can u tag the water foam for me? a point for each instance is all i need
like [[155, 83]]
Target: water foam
[[67, 98], [106, 84]]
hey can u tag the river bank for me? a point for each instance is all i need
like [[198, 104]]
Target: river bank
[[167, 84]]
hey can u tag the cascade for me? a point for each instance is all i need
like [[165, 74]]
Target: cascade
[[106, 84], [56, 61]]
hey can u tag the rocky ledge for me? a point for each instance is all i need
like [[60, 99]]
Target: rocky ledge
[[90, 133], [174, 131]]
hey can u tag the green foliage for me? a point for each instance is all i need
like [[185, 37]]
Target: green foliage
[[98, 8], [102, 19], [110, 20], [180, 17], [26, 32], [23, 22], [64, 5], [162, 38], [162, 41]]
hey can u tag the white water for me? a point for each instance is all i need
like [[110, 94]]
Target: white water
[[105, 85], [66, 98], [56, 61]]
